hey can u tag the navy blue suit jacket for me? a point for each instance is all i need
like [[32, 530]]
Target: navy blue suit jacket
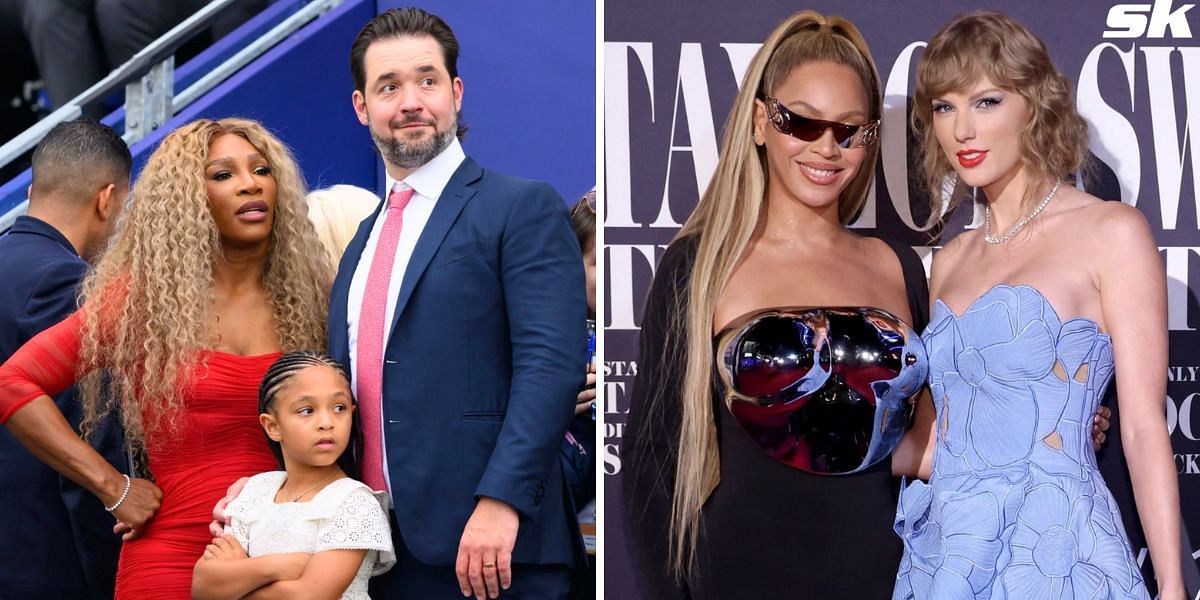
[[59, 541], [482, 365]]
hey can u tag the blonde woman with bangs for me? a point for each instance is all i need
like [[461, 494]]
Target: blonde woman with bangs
[[214, 271], [1034, 314], [713, 514]]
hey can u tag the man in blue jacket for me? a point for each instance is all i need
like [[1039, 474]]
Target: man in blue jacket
[[59, 541], [459, 308]]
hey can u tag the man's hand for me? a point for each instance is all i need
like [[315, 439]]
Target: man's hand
[[484, 564], [225, 547], [1100, 425], [137, 509], [217, 527], [583, 402]]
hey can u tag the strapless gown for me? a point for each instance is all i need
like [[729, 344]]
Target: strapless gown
[[1016, 507]]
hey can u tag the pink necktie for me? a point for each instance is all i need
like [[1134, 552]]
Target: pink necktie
[[369, 354]]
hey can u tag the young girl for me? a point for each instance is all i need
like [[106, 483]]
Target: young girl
[[313, 526]]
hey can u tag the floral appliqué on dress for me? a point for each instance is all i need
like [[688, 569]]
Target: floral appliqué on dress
[[1016, 507]]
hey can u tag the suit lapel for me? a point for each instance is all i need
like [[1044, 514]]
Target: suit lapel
[[445, 212]]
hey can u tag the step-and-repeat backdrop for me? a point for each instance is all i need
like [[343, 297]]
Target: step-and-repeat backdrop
[[672, 70]]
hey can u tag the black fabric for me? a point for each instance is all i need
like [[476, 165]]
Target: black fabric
[[916, 283], [767, 530]]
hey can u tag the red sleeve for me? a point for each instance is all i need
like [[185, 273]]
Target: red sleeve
[[44, 366]]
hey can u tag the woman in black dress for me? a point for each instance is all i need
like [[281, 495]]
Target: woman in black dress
[[711, 514]]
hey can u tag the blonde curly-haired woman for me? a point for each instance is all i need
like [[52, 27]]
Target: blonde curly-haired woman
[[214, 271]]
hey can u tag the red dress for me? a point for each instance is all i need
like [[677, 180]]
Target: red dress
[[219, 440]]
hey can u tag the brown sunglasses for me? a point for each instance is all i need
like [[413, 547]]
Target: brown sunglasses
[[810, 130]]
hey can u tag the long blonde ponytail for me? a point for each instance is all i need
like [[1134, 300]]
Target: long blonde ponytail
[[723, 223]]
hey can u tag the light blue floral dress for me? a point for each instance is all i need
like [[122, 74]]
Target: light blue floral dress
[[1016, 507]]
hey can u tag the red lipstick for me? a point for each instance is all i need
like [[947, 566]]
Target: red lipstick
[[971, 157]]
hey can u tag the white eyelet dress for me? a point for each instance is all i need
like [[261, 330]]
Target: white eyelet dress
[[346, 515]]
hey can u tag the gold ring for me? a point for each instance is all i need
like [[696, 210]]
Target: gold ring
[[489, 565]]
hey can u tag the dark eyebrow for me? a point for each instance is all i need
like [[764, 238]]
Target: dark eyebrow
[[986, 92], [973, 97], [392, 75], [812, 110], [338, 395], [227, 160]]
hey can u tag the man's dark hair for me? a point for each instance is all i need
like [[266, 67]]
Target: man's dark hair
[[79, 157], [401, 22]]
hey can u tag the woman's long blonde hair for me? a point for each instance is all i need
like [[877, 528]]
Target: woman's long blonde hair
[[723, 223], [989, 44], [336, 213], [150, 299]]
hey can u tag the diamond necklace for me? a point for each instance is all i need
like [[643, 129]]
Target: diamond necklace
[[987, 219]]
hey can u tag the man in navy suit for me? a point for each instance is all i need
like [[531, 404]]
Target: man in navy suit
[[59, 541], [459, 307]]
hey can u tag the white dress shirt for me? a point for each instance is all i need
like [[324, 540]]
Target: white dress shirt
[[427, 183]]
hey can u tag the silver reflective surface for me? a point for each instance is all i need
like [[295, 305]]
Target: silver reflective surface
[[824, 390]]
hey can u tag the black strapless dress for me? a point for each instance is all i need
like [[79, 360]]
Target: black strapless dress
[[768, 529]]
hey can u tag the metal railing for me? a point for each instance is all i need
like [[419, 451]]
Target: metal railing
[[149, 80], [135, 68]]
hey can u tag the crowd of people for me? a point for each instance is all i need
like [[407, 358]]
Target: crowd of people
[[399, 416]]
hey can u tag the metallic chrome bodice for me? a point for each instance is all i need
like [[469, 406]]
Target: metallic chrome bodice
[[824, 390]]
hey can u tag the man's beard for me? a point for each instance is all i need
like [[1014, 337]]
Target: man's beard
[[414, 153]]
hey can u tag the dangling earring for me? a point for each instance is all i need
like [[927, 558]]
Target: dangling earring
[[979, 211]]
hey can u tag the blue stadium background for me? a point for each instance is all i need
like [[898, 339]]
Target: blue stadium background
[[529, 78]]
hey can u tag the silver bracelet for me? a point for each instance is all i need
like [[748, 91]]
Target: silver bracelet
[[128, 484]]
